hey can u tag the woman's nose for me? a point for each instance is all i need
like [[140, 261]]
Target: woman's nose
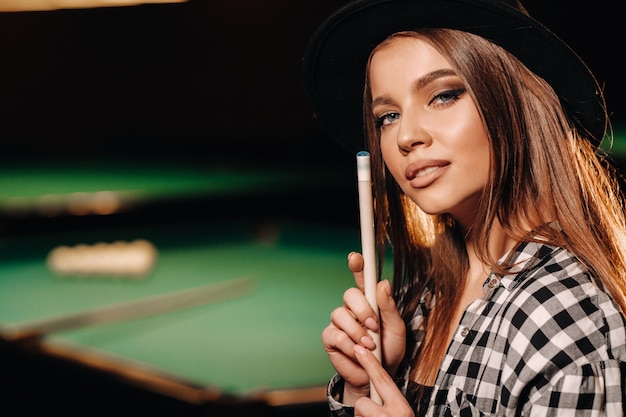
[[411, 134]]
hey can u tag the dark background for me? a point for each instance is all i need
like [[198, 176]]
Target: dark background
[[204, 79]]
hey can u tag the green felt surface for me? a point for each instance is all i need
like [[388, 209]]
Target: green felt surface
[[267, 340]]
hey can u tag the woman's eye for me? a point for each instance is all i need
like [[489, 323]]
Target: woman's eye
[[386, 119], [448, 96]]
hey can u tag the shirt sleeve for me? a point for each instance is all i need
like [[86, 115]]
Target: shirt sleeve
[[570, 351], [334, 393], [591, 390]]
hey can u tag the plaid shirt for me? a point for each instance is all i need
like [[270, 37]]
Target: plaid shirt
[[545, 341]]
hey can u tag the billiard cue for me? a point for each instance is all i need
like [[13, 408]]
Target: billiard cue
[[143, 307], [368, 248]]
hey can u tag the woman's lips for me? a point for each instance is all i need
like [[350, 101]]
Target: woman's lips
[[424, 173]]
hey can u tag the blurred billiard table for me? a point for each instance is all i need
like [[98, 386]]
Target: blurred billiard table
[[254, 354]]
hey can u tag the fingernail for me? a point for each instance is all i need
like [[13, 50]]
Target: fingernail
[[371, 324], [368, 342], [359, 350], [349, 255]]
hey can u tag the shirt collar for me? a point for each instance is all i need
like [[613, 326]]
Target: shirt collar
[[525, 258]]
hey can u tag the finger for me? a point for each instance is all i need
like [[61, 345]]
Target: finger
[[344, 320], [354, 300], [382, 381], [355, 263], [389, 314], [338, 345], [340, 350], [393, 327]]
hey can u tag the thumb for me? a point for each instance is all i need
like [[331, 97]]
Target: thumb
[[392, 325], [388, 310]]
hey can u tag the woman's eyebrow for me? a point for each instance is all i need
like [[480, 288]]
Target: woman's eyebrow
[[418, 84], [428, 78], [381, 100]]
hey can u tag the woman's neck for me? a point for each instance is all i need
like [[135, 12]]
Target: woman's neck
[[500, 243]]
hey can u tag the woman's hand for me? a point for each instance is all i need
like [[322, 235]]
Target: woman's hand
[[349, 327], [394, 402]]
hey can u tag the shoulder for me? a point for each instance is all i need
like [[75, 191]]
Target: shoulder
[[556, 304], [549, 277]]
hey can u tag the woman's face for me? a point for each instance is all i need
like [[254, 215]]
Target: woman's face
[[431, 135]]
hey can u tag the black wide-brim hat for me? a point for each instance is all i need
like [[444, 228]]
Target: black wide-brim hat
[[336, 57]]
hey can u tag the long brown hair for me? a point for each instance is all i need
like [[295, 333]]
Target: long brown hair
[[543, 171]]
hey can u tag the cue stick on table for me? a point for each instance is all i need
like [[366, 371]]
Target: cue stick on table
[[143, 307], [368, 247]]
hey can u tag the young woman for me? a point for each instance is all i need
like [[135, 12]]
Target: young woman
[[506, 226]]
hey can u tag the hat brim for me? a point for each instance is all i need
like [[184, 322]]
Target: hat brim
[[336, 56]]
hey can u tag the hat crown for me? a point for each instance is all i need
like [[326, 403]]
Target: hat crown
[[516, 4], [335, 59], [513, 3]]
